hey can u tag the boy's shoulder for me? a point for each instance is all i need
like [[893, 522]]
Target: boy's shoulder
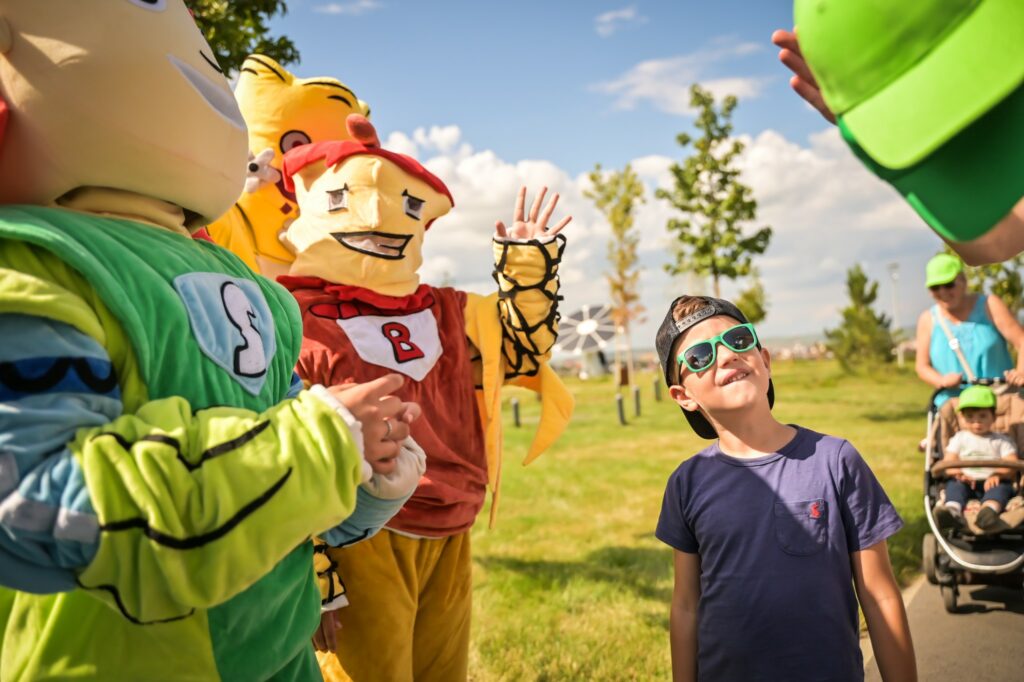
[[806, 443]]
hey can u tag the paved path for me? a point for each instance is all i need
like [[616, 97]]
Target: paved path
[[982, 643]]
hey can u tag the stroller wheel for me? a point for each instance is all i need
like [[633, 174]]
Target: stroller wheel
[[949, 595], [929, 555]]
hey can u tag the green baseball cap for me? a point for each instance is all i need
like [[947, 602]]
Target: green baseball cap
[[906, 76], [942, 269], [976, 396], [971, 182]]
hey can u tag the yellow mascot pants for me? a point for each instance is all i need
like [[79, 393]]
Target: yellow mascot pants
[[409, 609]]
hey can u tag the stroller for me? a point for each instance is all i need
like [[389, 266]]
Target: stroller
[[970, 555]]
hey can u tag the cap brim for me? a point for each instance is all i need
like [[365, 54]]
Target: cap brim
[[975, 67], [932, 281], [970, 183]]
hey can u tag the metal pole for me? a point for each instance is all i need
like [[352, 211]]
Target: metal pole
[[636, 400], [621, 408], [894, 272], [515, 411]]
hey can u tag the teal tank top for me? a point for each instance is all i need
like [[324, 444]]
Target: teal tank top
[[981, 343]]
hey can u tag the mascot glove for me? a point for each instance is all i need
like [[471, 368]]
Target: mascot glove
[[410, 466], [546, 239], [354, 427], [259, 172]]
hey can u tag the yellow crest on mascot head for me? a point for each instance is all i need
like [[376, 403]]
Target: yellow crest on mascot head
[[116, 94], [363, 212], [282, 112]]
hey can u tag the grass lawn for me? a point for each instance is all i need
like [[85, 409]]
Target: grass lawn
[[571, 583]]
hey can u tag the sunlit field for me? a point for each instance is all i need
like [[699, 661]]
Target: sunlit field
[[571, 583]]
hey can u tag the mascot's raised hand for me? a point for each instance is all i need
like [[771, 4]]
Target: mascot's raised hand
[[533, 226]]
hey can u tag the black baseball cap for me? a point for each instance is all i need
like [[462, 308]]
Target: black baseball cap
[[670, 330]]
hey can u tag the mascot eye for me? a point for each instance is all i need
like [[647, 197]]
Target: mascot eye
[[293, 139], [151, 5], [337, 199], [413, 205]]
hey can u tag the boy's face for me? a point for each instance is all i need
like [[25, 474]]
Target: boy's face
[[978, 420], [733, 382]]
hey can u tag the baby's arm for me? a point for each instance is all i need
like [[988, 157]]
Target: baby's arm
[[683, 617], [953, 455], [884, 612], [1009, 453]]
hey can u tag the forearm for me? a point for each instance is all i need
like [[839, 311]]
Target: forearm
[[928, 374], [890, 637], [527, 277], [683, 636], [194, 509]]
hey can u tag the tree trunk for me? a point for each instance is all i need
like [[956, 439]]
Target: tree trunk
[[718, 291], [617, 363]]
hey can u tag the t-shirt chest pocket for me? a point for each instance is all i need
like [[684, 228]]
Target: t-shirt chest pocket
[[801, 528]]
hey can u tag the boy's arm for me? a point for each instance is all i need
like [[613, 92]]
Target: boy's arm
[[683, 617], [886, 617]]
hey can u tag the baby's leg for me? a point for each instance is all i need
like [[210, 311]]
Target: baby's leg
[[957, 493], [993, 502], [997, 496]]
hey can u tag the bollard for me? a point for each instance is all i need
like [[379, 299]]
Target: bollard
[[621, 407], [636, 400], [657, 390], [515, 412]]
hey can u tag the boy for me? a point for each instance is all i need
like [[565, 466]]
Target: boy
[[771, 524], [977, 408]]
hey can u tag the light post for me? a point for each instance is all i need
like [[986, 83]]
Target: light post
[[894, 273]]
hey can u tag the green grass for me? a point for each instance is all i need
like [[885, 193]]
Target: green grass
[[571, 583]]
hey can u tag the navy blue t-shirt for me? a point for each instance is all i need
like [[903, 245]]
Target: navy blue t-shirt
[[774, 535]]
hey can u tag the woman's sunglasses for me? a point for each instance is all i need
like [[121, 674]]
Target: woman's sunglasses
[[701, 355], [947, 285]]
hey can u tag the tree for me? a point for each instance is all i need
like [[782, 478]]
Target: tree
[[616, 196], [711, 240], [864, 337], [753, 301], [238, 28], [1005, 280]]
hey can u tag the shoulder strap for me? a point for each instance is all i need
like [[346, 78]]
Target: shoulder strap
[[954, 345]]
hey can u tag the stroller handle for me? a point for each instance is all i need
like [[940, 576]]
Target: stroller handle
[[939, 468], [981, 381]]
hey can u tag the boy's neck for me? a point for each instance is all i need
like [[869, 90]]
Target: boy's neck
[[752, 433]]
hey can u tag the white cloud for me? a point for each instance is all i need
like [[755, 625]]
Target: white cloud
[[608, 23], [665, 83], [827, 213], [353, 8]]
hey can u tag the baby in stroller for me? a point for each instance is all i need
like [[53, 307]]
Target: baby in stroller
[[971, 543], [977, 441]]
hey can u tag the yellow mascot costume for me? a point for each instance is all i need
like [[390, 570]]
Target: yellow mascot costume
[[281, 112], [364, 212]]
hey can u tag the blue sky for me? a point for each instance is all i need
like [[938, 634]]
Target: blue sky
[[525, 77], [491, 95]]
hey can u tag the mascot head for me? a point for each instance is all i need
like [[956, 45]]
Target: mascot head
[[284, 112], [363, 212], [116, 94]]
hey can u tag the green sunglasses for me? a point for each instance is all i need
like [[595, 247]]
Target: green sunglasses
[[701, 355]]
